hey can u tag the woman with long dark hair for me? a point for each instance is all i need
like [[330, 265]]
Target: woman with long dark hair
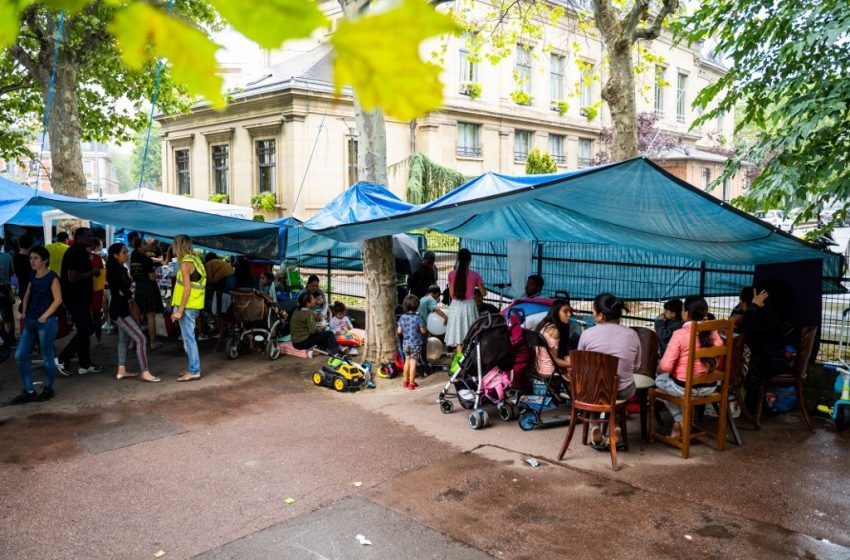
[[674, 363], [462, 311], [553, 327], [119, 310], [147, 293], [610, 337]]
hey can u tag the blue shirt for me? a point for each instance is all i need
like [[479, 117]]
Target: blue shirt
[[410, 324], [41, 294]]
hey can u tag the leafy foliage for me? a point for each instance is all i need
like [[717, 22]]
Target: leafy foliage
[[271, 22], [427, 180], [219, 197], [789, 80], [112, 99], [266, 201], [521, 98], [153, 163], [387, 72], [143, 31], [538, 163], [472, 89]]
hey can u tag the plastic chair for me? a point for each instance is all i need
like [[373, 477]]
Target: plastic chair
[[593, 384], [793, 376], [689, 401], [645, 373]]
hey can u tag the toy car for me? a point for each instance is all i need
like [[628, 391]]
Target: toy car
[[340, 375]]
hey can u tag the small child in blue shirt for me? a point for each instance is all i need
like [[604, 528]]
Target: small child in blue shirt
[[411, 327], [428, 304]]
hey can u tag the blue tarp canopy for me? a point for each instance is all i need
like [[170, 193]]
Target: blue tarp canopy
[[633, 210], [23, 206], [19, 204]]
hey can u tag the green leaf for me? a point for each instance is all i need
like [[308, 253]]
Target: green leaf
[[143, 31], [10, 19], [271, 22], [70, 6], [379, 56]]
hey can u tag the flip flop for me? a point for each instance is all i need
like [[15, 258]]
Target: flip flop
[[126, 375], [187, 377], [151, 380]]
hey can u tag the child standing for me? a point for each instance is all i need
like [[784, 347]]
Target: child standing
[[411, 327], [343, 328]]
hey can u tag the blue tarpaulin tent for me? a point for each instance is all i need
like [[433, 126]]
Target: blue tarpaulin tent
[[633, 212], [20, 205]]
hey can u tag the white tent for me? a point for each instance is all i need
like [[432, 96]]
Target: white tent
[[185, 202]]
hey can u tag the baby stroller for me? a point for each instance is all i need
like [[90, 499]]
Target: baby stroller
[[484, 373], [257, 319]]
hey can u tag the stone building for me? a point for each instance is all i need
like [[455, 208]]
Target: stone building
[[285, 132]]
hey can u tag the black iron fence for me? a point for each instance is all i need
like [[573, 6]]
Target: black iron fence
[[342, 278]]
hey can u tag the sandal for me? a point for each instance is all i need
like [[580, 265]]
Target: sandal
[[676, 431], [189, 377], [126, 375], [152, 379]]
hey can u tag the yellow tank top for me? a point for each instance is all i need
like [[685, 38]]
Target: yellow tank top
[[196, 291]]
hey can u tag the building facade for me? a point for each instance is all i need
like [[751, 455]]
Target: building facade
[[97, 167], [285, 135]]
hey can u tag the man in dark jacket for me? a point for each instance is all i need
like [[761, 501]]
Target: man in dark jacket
[[423, 277]]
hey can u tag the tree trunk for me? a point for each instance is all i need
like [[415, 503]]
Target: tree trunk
[[619, 93], [64, 130], [378, 261]]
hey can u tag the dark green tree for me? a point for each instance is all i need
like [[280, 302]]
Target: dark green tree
[[91, 88], [790, 63], [153, 163]]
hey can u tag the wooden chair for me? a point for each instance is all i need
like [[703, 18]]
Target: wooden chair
[[593, 384], [689, 401], [794, 376], [646, 371]]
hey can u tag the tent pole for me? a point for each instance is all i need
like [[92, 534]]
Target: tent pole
[[329, 277], [539, 259], [702, 278]]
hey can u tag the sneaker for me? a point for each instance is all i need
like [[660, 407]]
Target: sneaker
[[370, 384], [61, 368], [24, 398], [46, 394], [406, 384], [413, 385], [203, 337], [91, 369], [353, 351]]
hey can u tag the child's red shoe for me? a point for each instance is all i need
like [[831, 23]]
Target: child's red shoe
[[412, 385], [406, 384]]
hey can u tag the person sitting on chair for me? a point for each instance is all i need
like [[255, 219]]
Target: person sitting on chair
[[306, 333], [674, 363], [534, 286]]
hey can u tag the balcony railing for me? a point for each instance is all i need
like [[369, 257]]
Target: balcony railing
[[520, 156], [559, 158], [465, 151], [584, 161]]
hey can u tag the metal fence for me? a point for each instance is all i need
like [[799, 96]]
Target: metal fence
[[342, 278]]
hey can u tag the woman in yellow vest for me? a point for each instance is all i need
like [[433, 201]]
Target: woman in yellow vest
[[188, 301]]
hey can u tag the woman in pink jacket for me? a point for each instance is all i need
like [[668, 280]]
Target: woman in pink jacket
[[674, 363]]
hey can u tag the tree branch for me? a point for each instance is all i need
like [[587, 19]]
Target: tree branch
[[606, 20], [24, 58], [653, 31], [637, 13], [93, 37], [23, 84]]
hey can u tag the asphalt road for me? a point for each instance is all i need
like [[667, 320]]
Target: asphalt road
[[255, 462]]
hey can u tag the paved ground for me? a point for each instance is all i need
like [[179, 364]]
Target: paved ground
[[255, 462]]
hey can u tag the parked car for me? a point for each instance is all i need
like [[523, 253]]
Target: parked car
[[776, 218]]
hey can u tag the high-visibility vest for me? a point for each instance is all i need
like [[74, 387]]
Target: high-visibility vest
[[196, 293]]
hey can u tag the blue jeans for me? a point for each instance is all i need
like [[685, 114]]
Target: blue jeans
[[46, 334], [190, 345]]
